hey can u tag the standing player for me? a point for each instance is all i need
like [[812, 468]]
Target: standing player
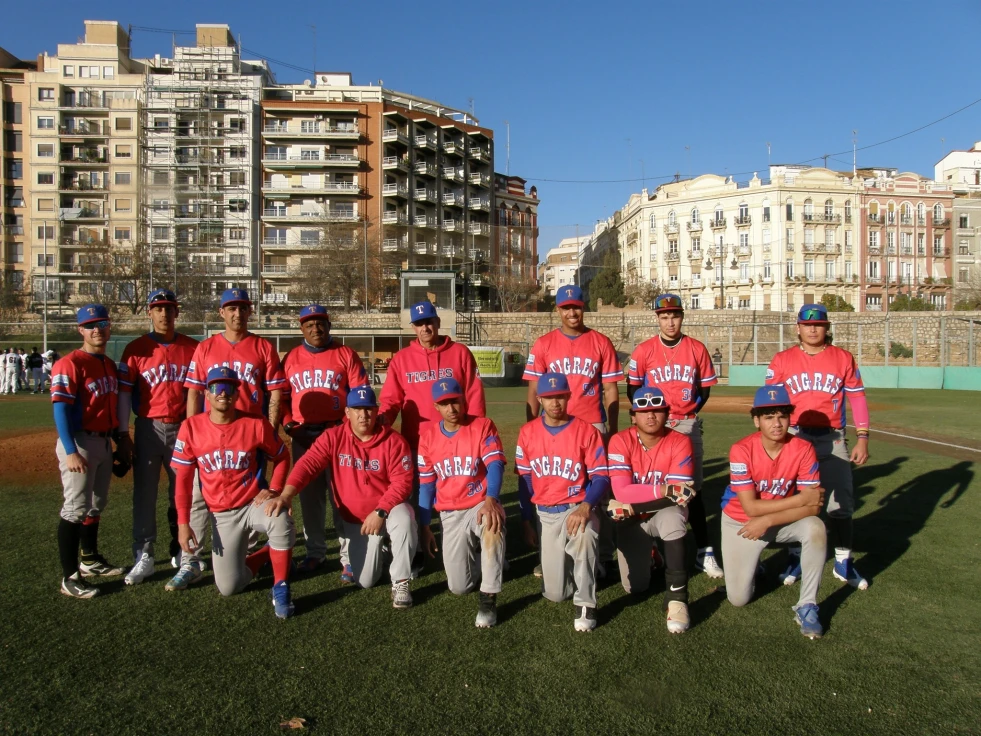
[[561, 465], [371, 468], [23, 375], [649, 454], [227, 448], [319, 374], [152, 372], [681, 367], [11, 367], [461, 465], [819, 376], [84, 387], [773, 496], [34, 364], [50, 358]]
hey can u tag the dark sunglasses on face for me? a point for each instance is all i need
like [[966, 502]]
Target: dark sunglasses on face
[[222, 387], [102, 324]]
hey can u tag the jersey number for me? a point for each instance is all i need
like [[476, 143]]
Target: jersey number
[[686, 394], [834, 404]]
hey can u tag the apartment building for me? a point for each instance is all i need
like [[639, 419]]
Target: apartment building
[[14, 168], [200, 164], [368, 169], [561, 264], [515, 248], [960, 169]]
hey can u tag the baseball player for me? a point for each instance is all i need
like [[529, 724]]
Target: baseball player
[[50, 357], [461, 465], [227, 446], [84, 387], [774, 495], [681, 367], [371, 469], [152, 372], [319, 373], [11, 369], [819, 376], [649, 454], [34, 365], [23, 374], [561, 465]]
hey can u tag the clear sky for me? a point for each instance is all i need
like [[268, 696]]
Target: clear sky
[[601, 95]]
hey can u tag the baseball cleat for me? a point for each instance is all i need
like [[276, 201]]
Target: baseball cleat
[[678, 620], [793, 572], [309, 565], [282, 600], [537, 572], [175, 562], [807, 617], [189, 574], [487, 611], [98, 566], [401, 595], [705, 562], [347, 575], [140, 571], [586, 620], [76, 587], [846, 572]]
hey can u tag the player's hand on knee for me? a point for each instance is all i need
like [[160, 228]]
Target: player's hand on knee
[[373, 524], [576, 521], [530, 534], [428, 541], [76, 463], [755, 528], [186, 538], [277, 504], [491, 516], [262, 496]]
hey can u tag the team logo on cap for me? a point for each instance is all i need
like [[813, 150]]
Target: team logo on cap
[[362, 393], [420, 309], [91, 311], [772, 394], [553, 382], [442, 386]]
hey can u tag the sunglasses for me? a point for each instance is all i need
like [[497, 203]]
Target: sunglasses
[[649, 402], [222, 387], [102, 324], [813, 315], [662, 302]]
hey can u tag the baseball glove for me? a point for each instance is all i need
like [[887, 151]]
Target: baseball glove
[[120, 465], [680, 493]]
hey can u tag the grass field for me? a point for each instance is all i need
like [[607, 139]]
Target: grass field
[[900, 658]]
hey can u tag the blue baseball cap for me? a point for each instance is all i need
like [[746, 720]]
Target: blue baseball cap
[[422, 310], [447, 388], [813, 314], [235, 296], [569, 296], [768, 396], [553, 384], [224, 374], [314, 311], [360, 397], [161, 296], [649, 398], [92, 313], [668, 303]]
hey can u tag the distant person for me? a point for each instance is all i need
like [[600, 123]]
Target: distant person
[[717, 359]]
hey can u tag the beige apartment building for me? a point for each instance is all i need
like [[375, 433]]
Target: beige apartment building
[[561, 265], [515, 249], [15, 172]]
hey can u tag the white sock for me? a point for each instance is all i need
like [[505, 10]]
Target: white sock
[[842, 554], [705, 551]]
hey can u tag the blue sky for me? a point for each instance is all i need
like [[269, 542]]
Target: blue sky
[[598, 93]]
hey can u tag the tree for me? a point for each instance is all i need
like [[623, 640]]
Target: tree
[[11, 303], [643, 292], [608, 284], [969, 294], [836, 303], [906, 303], [515, 293]]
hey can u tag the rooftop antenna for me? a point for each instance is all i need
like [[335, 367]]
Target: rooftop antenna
[[314, 28], [768, 154], [854, 152], [688, 149]]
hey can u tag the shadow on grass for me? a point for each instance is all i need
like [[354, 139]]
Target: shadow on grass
[[510, 609]]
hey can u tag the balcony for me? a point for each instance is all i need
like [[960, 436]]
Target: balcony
[[479, 228], [477, 203], [395, 135], [454, 147], [874, 220], [84, 158], [395, 163], [695, 227], [744, 251], [920, 221], [479, 180], [875, 250], [395, 245], [940, 252], [391, 217], [337, 187], [718, 223], [942, 224], [76, 185], [427, 142], [695, 255], [671, 228], [672, 257], [453, 198], [424, 195], [85, 129], [479, 154], [274, 269], [906, 220], [452, 251], [820, 218], [452, 173], [744, 221], [453, 226], [395, 190], [315, 129], [848, 249], [874, 279], [424, 221], [329, 215], [424, 168]]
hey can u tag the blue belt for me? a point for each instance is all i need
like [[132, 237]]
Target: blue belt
[[556, 509]]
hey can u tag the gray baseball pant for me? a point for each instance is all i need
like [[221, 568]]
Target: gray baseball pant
[[464, 540], [607, 543], [313, 503], [230, 542], [635, 540], [86, 494], [38, 377], [740, 556], [153, 447], [11, 379], [367, 553], [568, 563], [835, 469]]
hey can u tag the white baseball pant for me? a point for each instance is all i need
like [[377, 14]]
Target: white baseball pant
[[230, 542], [471, 555], [568, 562]]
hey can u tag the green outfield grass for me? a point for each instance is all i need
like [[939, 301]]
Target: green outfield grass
[[899, 658]]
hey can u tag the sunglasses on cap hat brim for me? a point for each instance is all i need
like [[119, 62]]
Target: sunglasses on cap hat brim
[[817, 316], [649, 402], [668, 303]]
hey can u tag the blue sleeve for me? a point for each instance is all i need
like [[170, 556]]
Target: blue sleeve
[[524, 498], [598, 486], [427, 492], [495, 478], [63, 421]]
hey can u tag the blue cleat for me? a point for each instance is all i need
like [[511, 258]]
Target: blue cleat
[[282, 601], [807, 617], [846, 572]]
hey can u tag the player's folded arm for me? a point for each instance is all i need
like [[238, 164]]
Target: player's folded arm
[[754, 506]]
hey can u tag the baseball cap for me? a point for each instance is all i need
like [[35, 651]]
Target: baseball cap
[[447, 388], [553, 384], [648, 398], [769, 396], [668, 303], [422, 310], [223, 373], [161, 296], [92, 313], [813, 314], [313, 311], [360, 397], [235, 296], [569, 296]]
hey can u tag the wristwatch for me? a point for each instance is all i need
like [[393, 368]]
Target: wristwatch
[[382, 514]]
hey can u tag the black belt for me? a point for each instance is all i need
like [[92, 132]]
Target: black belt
[[817, 431], [103, 435]]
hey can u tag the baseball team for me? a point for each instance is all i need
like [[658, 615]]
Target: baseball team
[[592, 498], [20, 370]]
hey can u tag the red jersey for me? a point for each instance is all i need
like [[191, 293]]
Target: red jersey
[[560, 462], [818, 384], [458, 463], [750, 467], [317, 381], [90, 384], [408, 386], [154, 372], [226, 458], [376, 474], [679, 371], [588, 360], [669, 461], [253, 358]]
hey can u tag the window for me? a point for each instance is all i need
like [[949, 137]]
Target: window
[[939, 301], [13, 141], [790, 210], [696, 245], [45, 260], [12, 112], [240, 152], [743, 271], [963, 275], [237, 125], [891, 243], [907, 273], [790, 269], [45, 150], [719, 217], [920, 244], [848, 270], [695, 216], [962, 221], [766, 210], [673, 247], [938, 245], [15, 197], [15, 168], [767, 273], [68, 70], [743, 211], [236, 179], [848, 210], [829, 239], [672, 218], [237, 233], [808, 238], [829, 271], [789, 237], [161, 178], [829, 209], [124, 123], [236, 260], [108, 72], [45, 232], [873, 270], [45, 205], [238, 205], [46, 94], [906, 244], [124, 152], [15, 252], [123, 177], [309, 237], [161, 233], [122, 233], [744, 302], [653, 221], [874, 240], [160, 205], [766, 238], [808, 209], [696, 301], [44, 123], [963, 249], [45, 178], [873, 303], [938, 212], [161, 125], [743, 242], [809, 270], [124, 205]]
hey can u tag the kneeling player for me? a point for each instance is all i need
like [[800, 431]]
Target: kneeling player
[[372, 470], [461, 464], [773, 496], [555, 457], [643, 459], [223, 445]]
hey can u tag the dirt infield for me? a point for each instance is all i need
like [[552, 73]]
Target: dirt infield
[[28, 456]]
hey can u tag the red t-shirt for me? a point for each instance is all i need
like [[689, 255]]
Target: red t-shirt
[[560, 464], [253, 358], [679, 371], [818, 384], [459, 463], [751, 468], [154, 372], [90, 383], [669, 461], [317, 382]]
